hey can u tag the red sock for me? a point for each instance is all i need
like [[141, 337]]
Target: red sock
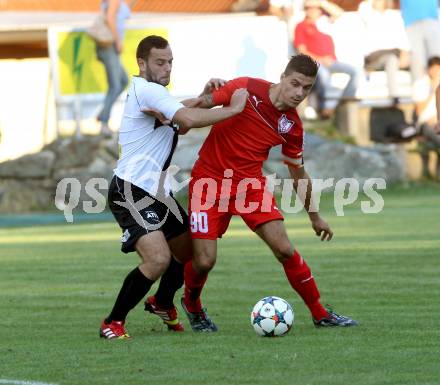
[[301, 279], [194, 283]]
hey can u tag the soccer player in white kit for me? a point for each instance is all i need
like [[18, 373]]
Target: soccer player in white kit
[[153, 223]]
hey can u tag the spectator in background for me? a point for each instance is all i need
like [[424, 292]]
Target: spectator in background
[[427, 114], [437, 103], [117, 11], [387, 51], [261, 7], [287, 11], [423, 29], [309, 40], [281, 8]]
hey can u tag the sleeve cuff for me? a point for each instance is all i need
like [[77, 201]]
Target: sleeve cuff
[[294, 162]]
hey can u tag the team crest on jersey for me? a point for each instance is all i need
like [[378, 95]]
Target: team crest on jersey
[[284, 124]]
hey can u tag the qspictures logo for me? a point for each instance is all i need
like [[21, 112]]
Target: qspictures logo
[[345, 192]]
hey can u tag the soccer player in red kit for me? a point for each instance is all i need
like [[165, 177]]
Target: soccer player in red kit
[[227, 180]]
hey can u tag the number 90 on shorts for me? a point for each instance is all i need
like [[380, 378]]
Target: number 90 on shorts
[[199, 222]]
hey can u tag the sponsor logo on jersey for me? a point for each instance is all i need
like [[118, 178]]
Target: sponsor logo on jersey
[[284, 124], [152, 215], [257, 102], [125, 236]]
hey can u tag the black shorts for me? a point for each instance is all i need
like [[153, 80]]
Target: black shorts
[[137, 218]]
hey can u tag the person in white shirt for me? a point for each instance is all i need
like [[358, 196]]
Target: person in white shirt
[[153, 223], [427, 114], [384, 51]]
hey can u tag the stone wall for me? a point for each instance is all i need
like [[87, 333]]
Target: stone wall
[[29, 183]]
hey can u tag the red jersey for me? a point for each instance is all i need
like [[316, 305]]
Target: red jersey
[[316, 42], [242, 143]]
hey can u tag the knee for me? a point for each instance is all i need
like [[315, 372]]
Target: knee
[[353, 73], [163, 261], [392, 59], [155, 265], [204, 262], [283, 251]]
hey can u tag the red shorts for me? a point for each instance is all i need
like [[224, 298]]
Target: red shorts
[[211, 207]]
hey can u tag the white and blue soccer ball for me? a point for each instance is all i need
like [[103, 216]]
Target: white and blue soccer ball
[[272, 317]]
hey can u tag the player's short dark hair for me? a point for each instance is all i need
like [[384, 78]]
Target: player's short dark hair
[[303, 64], [149, 42], [433, 61]]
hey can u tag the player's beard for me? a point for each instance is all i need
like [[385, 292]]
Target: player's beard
[[152, 77]]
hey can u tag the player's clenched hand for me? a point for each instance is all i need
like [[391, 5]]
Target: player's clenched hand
[[156, 114], [322, 229], [238, 99], [213, 84]]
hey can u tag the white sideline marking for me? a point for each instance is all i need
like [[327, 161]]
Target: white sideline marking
[[18, 382]]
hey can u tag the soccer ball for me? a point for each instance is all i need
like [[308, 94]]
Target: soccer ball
[[272, 317]]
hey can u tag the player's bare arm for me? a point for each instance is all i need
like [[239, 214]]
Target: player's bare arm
[[213, 84], [205, 100], [319, 225], [156, 114], [202, 101], [192, 116], [199, 117]]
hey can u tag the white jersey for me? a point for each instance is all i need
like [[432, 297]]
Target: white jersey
[[146, 145]]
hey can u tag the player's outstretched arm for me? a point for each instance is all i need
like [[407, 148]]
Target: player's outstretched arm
[[202, 101], [211, 85], [205, 100], [156, 114], [199, 117], [193, 116], [304, 192]]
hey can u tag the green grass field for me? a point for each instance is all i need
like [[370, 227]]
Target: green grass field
[[58, 282]]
